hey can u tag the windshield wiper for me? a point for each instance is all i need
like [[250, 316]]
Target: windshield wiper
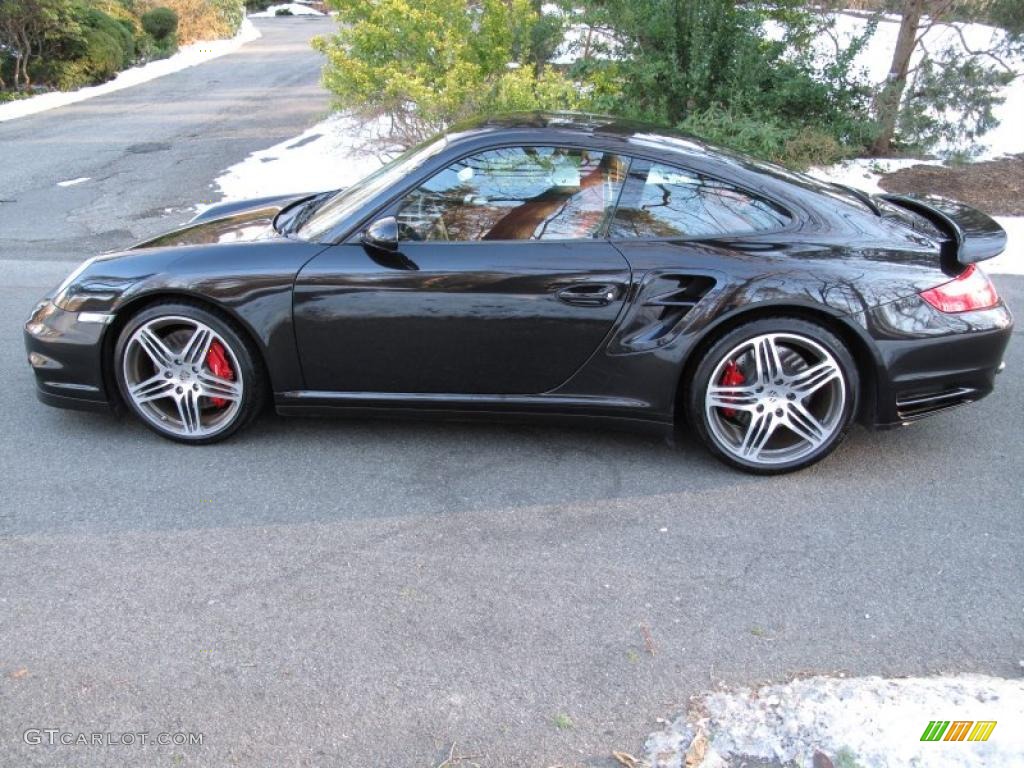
[[303, 212]]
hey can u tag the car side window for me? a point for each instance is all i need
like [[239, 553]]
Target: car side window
[[662, 201], [515, 193]]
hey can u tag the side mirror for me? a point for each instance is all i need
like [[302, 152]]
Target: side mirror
[[382, 234]]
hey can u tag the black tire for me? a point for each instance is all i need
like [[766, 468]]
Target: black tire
[[707, 418], [250, 373]]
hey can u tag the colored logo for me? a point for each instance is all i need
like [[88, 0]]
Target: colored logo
[[958, 730]]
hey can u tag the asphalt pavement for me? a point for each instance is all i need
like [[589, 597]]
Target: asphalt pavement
[[150, 152], [356, 593]]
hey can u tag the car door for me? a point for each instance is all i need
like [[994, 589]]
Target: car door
[[502, 281]]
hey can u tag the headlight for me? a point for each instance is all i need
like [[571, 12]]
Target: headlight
[[60, 295]]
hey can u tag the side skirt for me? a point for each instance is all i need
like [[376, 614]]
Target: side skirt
[[600, 412]]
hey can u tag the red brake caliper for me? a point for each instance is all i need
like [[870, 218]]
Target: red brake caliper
[[731, 377], [220, 367]]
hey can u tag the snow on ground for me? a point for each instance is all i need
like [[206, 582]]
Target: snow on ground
[[865, 172], [332, 154], [869, 722], [1011, 261], [297, 9], [187, 56]]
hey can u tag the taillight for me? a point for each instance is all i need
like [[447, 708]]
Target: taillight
[[971, 290]]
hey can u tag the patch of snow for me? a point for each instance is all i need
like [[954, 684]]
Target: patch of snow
[[1010, 261], [875, 722], [297, 9], [864, 172], [188, 56], [332, 154], [73, 182]]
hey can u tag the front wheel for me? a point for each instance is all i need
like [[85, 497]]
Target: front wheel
[[187, 374], [774, 395]]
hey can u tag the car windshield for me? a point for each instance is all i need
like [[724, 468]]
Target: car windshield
[[344, 203]]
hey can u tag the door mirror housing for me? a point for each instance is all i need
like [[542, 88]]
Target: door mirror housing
[[382, 234]]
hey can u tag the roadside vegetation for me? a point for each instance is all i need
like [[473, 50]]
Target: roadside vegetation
[[67, 44], [750, 76]]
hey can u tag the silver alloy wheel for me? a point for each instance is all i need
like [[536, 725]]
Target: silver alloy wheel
[[789, 403], [169, 380]]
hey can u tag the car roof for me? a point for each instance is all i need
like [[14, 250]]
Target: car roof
[[591, 125]]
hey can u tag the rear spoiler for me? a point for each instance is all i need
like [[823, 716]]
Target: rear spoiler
[[973, 235]]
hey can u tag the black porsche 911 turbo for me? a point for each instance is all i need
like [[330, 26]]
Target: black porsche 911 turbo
[[551, 265]]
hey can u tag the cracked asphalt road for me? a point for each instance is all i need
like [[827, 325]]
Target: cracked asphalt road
[[353, 593], [151, 151]]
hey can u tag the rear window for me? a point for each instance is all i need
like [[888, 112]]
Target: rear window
[[664, 201]]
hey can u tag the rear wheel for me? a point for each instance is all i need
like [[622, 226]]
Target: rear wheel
[[774, 395], [187, 374]]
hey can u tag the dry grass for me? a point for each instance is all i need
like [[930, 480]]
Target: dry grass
[[198, 19]]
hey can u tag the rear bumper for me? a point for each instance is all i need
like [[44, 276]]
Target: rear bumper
[[925, 376], [66, 356]]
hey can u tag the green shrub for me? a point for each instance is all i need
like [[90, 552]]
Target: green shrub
[[427, 64], [160, 23], [121, 35], [767, 137], [703, 65], [92, 49], [283, 12], [706, 66], [6, 96], [101, 60]]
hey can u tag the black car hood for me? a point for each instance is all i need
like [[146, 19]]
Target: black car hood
[[244, 222]]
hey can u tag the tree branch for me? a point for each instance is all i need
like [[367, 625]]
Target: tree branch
[[963, 42]]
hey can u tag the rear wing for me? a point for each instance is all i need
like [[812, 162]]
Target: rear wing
[[973, 236]]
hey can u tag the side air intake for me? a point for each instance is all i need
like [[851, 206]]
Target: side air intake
[[663, 304]]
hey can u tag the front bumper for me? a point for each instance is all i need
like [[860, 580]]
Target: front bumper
[[65, 351]]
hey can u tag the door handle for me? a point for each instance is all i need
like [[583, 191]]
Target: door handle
[[589, 294]]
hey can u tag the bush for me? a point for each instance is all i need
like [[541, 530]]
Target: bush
[[706, 66], [160, 23], [205, 19], [6, 96], [100, 61], [109, 27], [426, 64], [523, 90], [283, 12], [703, 65]]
